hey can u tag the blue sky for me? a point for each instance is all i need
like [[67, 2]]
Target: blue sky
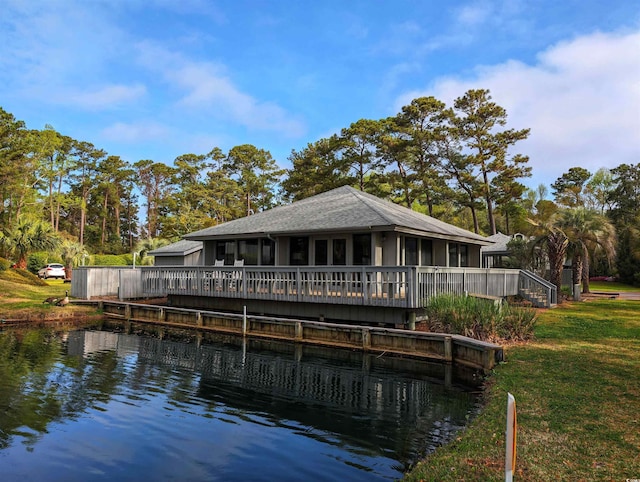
[[154, 79]]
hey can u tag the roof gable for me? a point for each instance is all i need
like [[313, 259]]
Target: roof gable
[[183, 247], [341, 209]]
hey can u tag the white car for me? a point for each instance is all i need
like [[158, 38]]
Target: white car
[[52, 270]]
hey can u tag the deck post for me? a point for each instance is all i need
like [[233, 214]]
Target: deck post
[[448, 352], [299, 334], [411, 321], [244, 320], [366, 339], [365, 286]]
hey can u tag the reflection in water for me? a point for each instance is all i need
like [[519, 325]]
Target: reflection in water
[[97, 405]]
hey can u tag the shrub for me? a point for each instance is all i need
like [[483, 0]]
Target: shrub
[[480, 319], [35, 261], [128, 258], [108, 260], [518, 324], [5, 264]]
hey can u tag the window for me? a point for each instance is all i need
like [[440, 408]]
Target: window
[[410, 251], [453, 255], [321, 252], [268, 255], [248, 251], [299, 250], [220, 250], [362, 249], [464, 257], [426, 252], [226, 250], [339, 252]]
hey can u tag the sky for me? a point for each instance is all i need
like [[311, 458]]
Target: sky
[[155, 79]]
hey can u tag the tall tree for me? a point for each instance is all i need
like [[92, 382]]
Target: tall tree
[[154, 181], [47, 145], [257, 175], [625, 199], [568, 190], [424, 126], [359, 144], [599, 190], [317, 168], [13, 149], [84, 178], [113, 175], [478, 121]]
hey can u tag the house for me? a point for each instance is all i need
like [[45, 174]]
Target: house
[[182, 253], [342, 255], [495, 255], [342, 227]]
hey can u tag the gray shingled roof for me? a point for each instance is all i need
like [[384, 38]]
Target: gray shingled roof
[[500, 243], [183, 247], [339, 210]]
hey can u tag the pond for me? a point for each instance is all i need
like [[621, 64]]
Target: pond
[[93, 404]]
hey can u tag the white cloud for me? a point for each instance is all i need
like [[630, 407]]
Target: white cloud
[[473, 14], [206, 86], [105, 97], [135, 132], [581, 100]]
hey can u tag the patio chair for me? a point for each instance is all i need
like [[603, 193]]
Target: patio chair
[[236, 276], [218, 275]]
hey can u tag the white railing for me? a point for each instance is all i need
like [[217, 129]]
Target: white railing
[[390, 286], [537, 290], [489, 282]]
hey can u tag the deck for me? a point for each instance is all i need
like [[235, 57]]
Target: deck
[[389, 286]]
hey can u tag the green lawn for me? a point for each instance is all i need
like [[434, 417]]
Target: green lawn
[[611, 286], [22, 297], [577, 389]]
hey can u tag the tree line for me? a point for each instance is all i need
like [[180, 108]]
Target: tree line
[[455, 163]]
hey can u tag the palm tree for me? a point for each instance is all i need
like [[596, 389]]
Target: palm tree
[[587, 231], [71, 253], [149, 244], [551, 236], [28, 235]]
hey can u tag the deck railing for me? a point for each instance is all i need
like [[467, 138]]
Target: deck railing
[[390, 286]]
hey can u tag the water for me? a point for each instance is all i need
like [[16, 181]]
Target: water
[[97, 405]]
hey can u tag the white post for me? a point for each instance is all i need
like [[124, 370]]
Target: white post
[[244, 320], [512, 426]]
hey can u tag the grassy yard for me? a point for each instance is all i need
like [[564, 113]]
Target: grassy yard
[[577, 389], [611, 286], [22, 298]]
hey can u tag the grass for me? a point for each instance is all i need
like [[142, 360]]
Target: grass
[[611, 286], [21, 297], [577, 389]]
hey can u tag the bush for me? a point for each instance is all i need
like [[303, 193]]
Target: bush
[[35, 261], [480, 319], [128, 258], [5, 264], [108, 260]]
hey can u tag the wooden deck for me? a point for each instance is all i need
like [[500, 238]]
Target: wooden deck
[[396, 287]]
